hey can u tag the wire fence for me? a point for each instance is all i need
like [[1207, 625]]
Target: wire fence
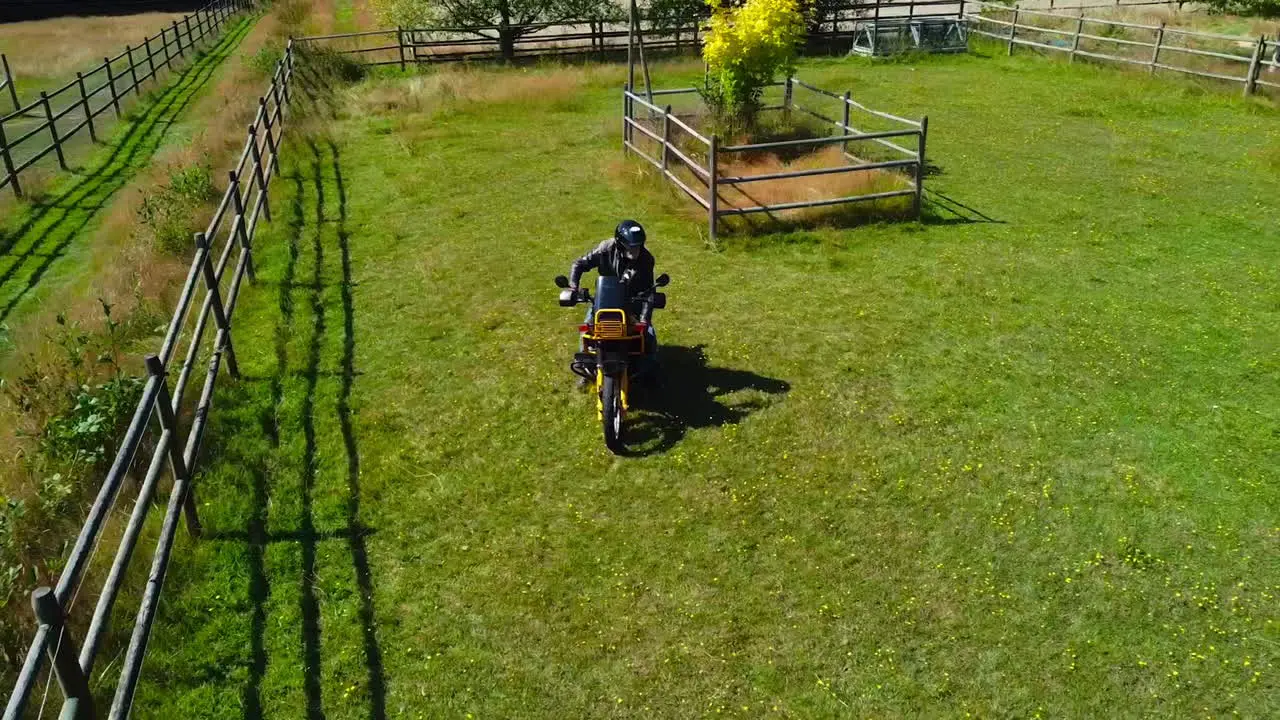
[[1252, 62], [164, 430], [60, 114]]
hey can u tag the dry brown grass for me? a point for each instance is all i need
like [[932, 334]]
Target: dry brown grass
[[458, 87], [816, 187], [58, 47]]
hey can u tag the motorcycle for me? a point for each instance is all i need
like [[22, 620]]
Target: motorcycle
[[614, 342]]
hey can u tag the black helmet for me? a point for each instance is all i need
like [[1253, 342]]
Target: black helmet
[[630, 234]]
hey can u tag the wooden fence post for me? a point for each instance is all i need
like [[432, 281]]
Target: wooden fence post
[[1255, 67], [164, 43], [88, 111], [400, 43], [1155, 54], [8, 163], [713, 212], [177, 38], [111, 83], [844, 127], [1013, 28], [238, 224], [191, 38], [256, 153], [63, 653], [151, 62], [920, 164], [274, 165], [133, 70], [1075, 42], [8, 81], [53, 130], [219, 312]]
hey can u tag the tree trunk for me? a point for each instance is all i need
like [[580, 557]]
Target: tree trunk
[[506, 36]]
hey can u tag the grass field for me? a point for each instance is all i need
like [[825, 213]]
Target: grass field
[[44, 54], [1017, 460], [38, 234]]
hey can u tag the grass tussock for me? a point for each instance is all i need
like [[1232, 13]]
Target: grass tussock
[[811, 188]]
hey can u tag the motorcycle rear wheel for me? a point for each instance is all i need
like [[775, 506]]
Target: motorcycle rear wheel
[[612, 416]]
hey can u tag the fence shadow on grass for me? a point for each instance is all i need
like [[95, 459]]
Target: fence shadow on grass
[[316, 180], [55, 223], [941, 209], [691, 394]]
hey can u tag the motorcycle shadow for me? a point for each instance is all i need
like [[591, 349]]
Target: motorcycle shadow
[[688, 393]]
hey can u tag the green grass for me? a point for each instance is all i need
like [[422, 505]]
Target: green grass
[[40, 233], [1008, 468]]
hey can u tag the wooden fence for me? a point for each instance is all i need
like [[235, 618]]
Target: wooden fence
[[704, 156], [602, 37], [1252, 62], [7, 86], [158, 427], [79, 103]]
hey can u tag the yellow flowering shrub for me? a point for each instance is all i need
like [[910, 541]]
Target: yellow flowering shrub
[[745, 47]]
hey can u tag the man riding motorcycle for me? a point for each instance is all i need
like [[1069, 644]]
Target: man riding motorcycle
[[626, 258]]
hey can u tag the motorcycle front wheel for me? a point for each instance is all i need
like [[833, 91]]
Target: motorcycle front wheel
[[612, 416]]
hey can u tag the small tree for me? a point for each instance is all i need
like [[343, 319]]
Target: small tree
[[509, 17], [745, 47], [1260, 8]]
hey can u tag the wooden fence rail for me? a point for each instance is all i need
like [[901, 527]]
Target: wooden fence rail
[[173, 431], [1251, 62], [81, 101]]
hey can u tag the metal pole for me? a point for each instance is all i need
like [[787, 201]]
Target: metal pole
[[62, 651], [626, 113], [845, 127], [920, 163], [8, 163], [111, 82], [631, 46], [713, 200], [53, 130]]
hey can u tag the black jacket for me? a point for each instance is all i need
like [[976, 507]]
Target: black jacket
[[610, 260]]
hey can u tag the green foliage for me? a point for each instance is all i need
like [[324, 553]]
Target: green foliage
[[745, 48], [506, 15], [169, 213], [1258, 8]]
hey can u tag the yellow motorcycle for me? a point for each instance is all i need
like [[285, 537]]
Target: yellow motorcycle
[[615, 343]]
